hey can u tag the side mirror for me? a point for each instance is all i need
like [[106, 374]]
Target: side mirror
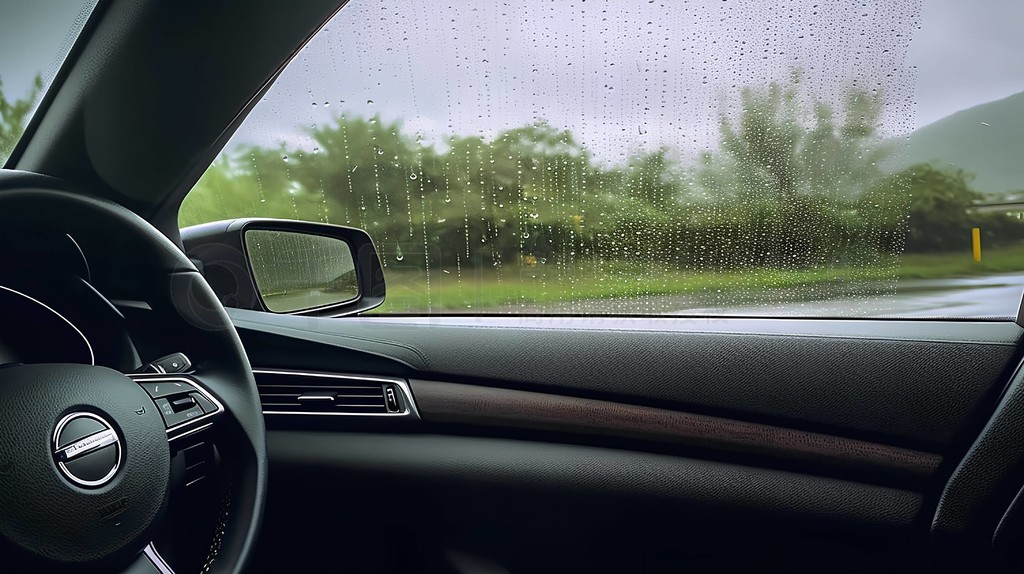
[[283, 266]]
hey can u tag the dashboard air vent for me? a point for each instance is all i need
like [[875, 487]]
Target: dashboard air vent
[[291, 392]]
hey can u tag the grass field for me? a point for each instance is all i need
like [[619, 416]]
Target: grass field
[[487, 290]]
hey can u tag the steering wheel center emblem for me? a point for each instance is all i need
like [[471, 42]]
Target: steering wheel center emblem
[[86, 449]]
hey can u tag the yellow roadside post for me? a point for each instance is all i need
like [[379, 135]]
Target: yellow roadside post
[[976, 242]]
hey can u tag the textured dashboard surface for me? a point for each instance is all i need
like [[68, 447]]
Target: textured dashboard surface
[[827, 376], [480, 463]]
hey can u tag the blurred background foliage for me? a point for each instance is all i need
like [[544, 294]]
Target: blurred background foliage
[[794, 183]]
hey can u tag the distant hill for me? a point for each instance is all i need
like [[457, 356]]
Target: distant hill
[[986, 140]]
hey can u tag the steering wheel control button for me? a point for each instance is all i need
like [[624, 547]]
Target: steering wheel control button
[[177, 418], [182, 403], [165, 408], [158, 389], [179, 409], [173, 363], [204, 403], [86, 449]]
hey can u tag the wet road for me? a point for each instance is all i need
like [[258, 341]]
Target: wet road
[[305, 299], [991, 296]]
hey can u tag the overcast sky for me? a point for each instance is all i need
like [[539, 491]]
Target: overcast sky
[[619, 74], [34, 39]]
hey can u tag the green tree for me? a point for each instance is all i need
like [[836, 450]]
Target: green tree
[[789, 173], [14, 116], [794, 182], [784, 147], [939, 216]]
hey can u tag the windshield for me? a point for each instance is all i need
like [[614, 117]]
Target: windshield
[[35, 37], [797, 157]]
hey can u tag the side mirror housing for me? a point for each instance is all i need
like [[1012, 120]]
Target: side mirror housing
[[284, 266]]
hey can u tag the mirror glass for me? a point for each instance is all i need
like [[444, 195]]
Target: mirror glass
[[297, 271]]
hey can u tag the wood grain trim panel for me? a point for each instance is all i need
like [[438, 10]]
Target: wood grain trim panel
[[489, 406]]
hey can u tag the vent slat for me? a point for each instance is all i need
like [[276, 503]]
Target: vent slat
[[325, 387], [294, 394], [281, 393], [373, 396]]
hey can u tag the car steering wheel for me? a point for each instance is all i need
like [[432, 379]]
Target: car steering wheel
[[85, 451]]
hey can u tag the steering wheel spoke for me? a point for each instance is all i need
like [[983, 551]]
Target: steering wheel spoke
[[187, 407], [149, 561]]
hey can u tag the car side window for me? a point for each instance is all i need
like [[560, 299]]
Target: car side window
[[793, 158]]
